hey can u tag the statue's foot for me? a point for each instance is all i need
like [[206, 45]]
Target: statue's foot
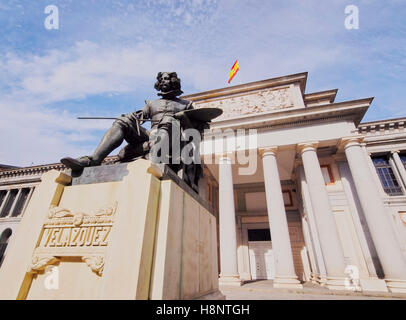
[[79, 163]]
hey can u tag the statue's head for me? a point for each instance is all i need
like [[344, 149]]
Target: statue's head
[[168, 84]]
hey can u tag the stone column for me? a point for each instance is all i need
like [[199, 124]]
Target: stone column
[[319, 269], [378, 220], [326, 226], [227, 225], [399, 165], [285, 276]]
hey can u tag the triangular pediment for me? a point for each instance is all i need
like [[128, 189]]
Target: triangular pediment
[[254, 98]]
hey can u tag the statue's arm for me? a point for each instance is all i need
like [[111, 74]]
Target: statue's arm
[[190, 106], [144, 113], [183, 118], [181, 114], [146, 110]]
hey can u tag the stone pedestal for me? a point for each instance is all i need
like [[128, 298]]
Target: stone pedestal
[[123, 231]]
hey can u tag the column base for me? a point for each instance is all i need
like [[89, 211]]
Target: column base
[[337, 283], [376, 285], [321, 280], [217, 295], [287, 282], [313, 277], [233, 281], [245, 276], [396, 286]]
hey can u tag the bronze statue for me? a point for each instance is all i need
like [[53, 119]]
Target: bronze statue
[[166, 115]]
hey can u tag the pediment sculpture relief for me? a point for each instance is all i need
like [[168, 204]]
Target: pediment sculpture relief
[[263, 101]]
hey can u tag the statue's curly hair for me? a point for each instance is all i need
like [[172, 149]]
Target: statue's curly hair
[[175, 81]]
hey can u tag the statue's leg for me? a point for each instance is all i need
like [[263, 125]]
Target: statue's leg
[[131, 151], [189, 175], [112, 139]]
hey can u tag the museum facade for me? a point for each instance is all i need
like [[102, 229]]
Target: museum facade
[[321, 197]]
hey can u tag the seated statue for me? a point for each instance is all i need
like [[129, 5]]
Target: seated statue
[[166, 115]]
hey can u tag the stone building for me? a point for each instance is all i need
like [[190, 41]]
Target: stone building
[[321, 196]]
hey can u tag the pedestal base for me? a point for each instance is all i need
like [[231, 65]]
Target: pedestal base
[[375, 285], [213, 296], [123, 231], [336, 283], [234, 281], [322, 280], [396, 286], [287, 282]]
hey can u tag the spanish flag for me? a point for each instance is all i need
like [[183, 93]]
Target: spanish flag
[[234, 70]]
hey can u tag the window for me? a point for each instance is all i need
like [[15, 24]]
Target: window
[[9, 202], [19, 206], [388, 180], [3, 194], [259, 235], [14, 201], [327, 174], [403, 159], [5, 236]]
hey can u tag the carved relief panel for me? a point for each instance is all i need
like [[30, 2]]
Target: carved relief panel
[[68, 233], [262, 101]]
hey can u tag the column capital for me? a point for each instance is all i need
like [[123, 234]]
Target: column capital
[[346, 142], [306, 146], [268, 151], [224, 156], [395, 151]]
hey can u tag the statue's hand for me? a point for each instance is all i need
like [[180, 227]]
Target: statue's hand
[[179, 115]]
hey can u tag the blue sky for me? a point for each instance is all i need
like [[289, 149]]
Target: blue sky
[[104, 57]]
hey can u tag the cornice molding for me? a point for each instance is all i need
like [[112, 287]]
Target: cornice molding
[[383, 127], [351, 110], [321, 95], [39, 170]]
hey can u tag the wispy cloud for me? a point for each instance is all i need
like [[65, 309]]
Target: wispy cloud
[[107, 50]]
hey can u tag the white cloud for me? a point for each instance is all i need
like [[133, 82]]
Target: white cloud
[[88, 69], [198, 39], [37, 134]]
